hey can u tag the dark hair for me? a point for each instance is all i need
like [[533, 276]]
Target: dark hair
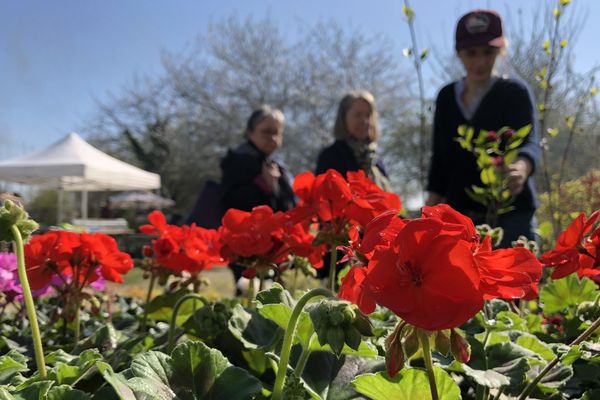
[[260, 114]]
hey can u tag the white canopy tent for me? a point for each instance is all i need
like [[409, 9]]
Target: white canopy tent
[[72, 164]]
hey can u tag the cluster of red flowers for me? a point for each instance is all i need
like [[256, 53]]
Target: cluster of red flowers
[[434, 272], [75, 258], [183, 248], [576, 250], [330, 199]]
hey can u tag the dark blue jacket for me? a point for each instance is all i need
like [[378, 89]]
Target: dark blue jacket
[[453, 169], [238, 189], [340, 157]]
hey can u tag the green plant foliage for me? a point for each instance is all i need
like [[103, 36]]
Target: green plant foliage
[[567, 292], [408, 384], [193, 371]]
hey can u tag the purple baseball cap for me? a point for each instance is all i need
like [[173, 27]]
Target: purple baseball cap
[[479, 27]]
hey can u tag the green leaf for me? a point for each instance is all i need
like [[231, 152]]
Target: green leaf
[[408, 384], [11, 364], [365, 349], [488, 176], [31, 391], [65, 392], [276, 294], [566, 292], [200, 372], [71, 372], [117, 381], [161, 307], [193, 371], [254, 330], [105, 339], [534, 344]]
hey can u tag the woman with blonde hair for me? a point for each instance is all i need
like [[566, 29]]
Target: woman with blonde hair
[[355, 133]]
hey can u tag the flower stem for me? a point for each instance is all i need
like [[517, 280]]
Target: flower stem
[[306, 352], [148, 296], [77, 322], [35, 329], [171, 336], [286, 348], [587, 333], [332, 268], [428, 363]]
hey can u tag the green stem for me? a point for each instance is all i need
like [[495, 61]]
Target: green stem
[[428, 363], [148, 297], [306, 352], [77, 321], [332, 268], [29, 304], [261, 280], [286, 348], [250, 291], [587, 333], [500, 391], [171, 336]]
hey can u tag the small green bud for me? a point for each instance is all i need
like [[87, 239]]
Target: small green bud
[[336, 339], [442, 342], [353, 338], [411, 343]]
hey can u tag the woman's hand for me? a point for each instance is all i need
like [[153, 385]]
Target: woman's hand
[[517, 174]]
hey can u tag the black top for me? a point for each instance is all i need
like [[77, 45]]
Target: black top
[[453, 169], [240, 168], [340, 157]]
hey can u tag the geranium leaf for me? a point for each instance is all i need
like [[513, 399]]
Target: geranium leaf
[[276, 294], [331, 377], [534, 344], [161, 307], [11, 364], [567, 292], [105, 339], [408, 384], [253, 330], [66, 392], [30, 391]]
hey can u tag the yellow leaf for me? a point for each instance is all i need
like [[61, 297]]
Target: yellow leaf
[[563, 43], [546, 45], [544, 84], [541, 106], [552, 132], [569, 121], [594, 90], [409, 12], [556, 12], [565, 3]]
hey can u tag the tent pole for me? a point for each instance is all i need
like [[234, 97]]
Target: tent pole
[[84, 204], [60, 211]]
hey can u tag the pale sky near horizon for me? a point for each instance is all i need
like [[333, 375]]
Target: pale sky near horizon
[[61, 56]]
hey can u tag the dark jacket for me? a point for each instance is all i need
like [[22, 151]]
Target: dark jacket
[[239, 188], [340, 157], [453, 169]]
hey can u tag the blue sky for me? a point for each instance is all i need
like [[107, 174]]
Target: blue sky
[[60, 56]]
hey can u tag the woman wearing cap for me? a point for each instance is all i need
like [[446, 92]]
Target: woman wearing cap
[[355, 146], [483, 100]]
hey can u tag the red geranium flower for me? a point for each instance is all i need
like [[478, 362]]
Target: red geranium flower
[[569, 249], [44, 253], [369, 200], [426, 276]]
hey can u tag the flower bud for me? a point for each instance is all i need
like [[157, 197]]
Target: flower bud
[[442, 342], [147, 251], [411, 343], [394, 354], [461, 349], [492, 136]]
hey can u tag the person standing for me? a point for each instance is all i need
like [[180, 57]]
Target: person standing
[[355, 147], [484, 101], [253, 174]]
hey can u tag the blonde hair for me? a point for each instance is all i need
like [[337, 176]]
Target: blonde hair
[[260, 114], [340, 130]]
